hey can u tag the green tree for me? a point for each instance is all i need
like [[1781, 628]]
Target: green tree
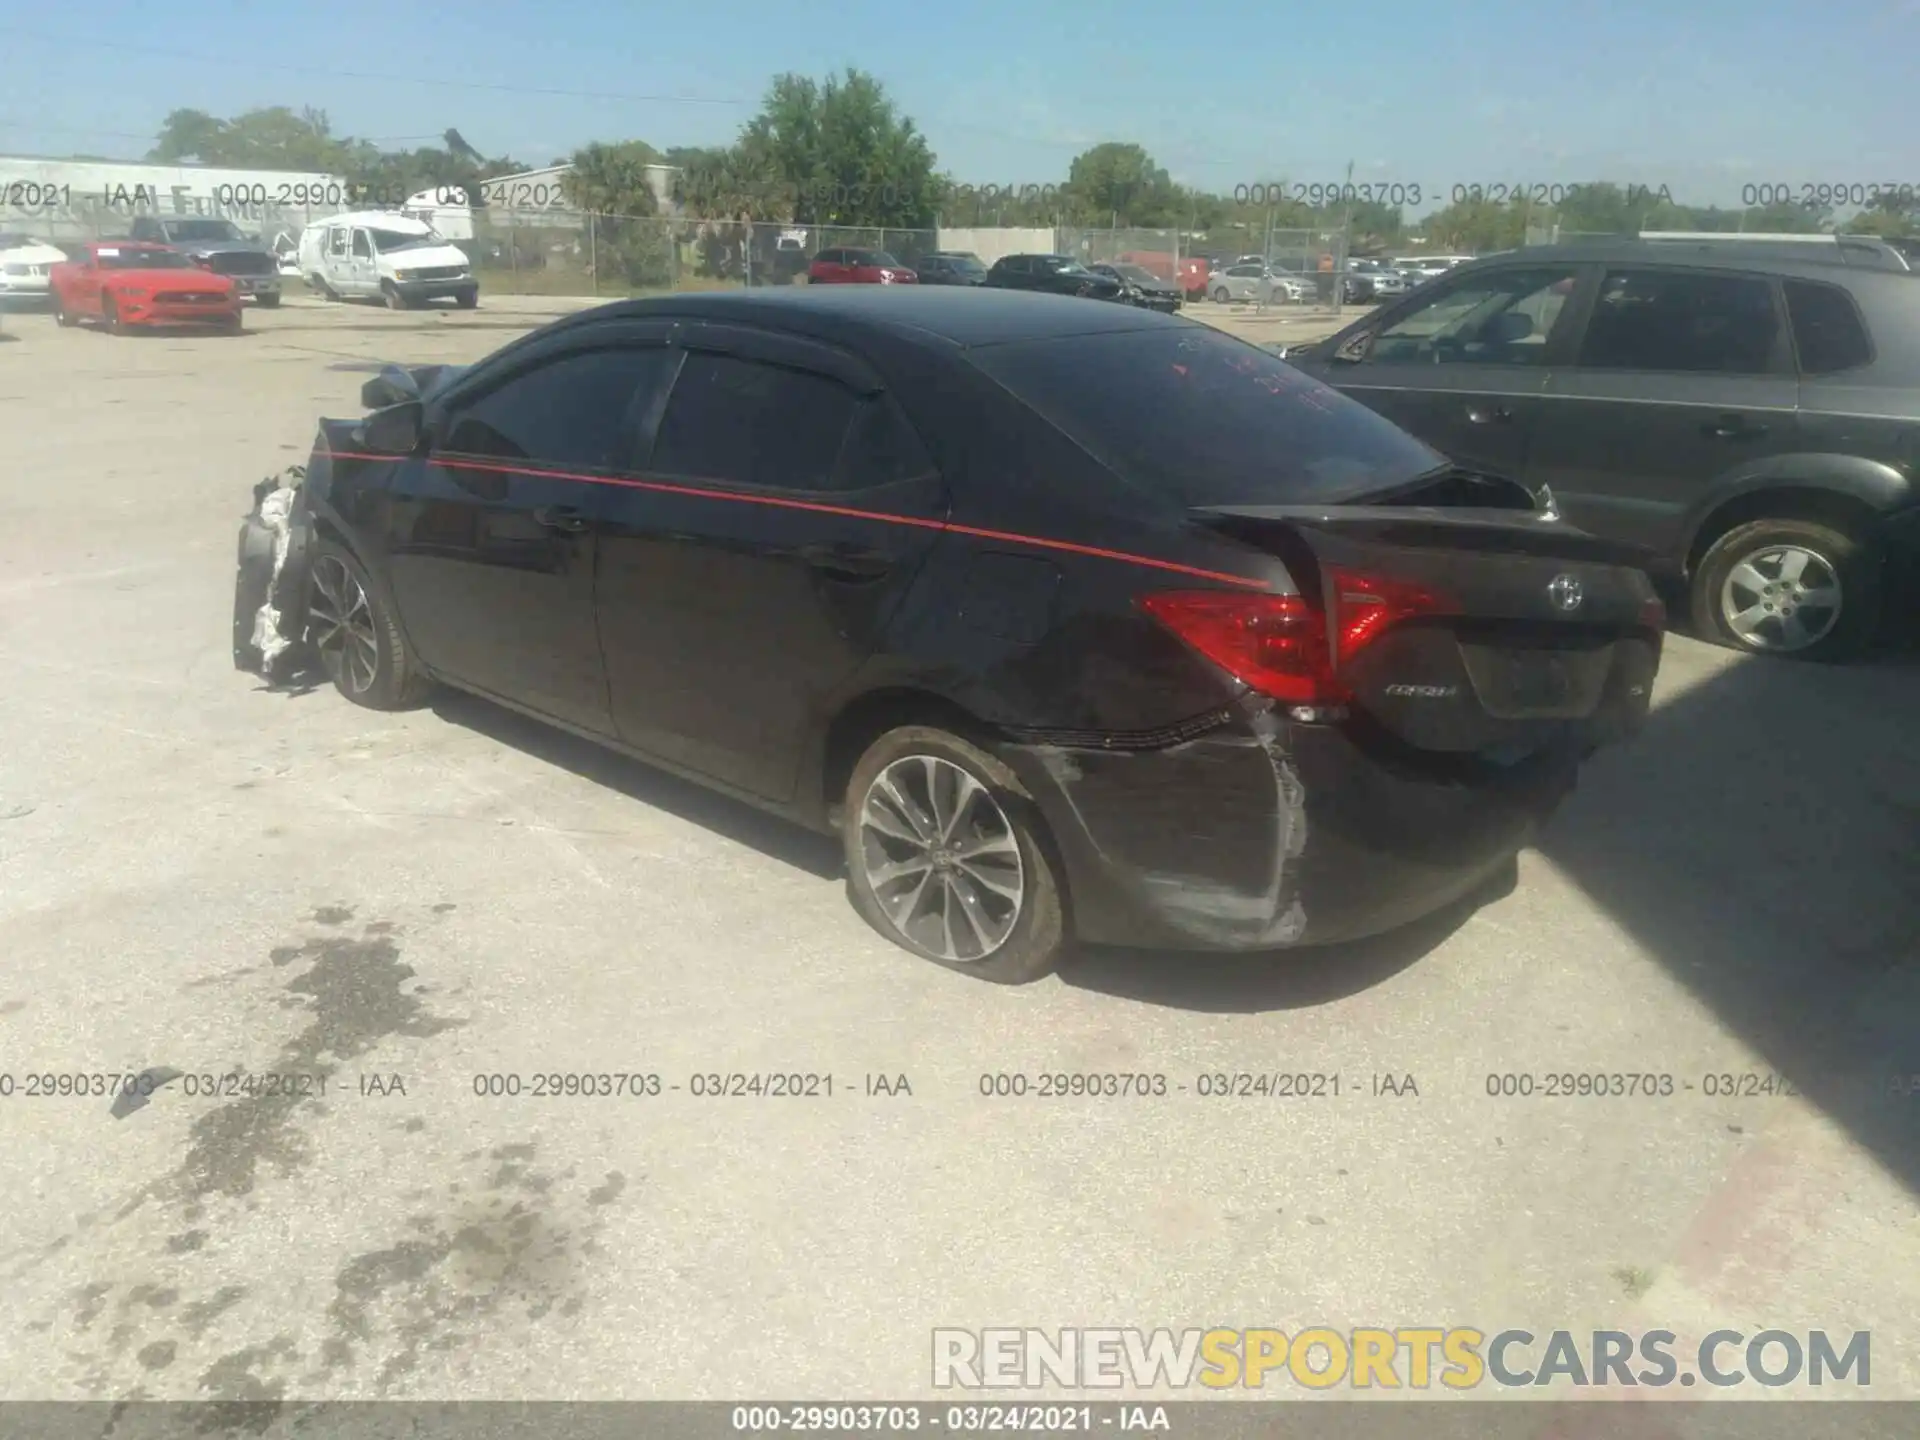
[[1117, 183], [611, 180], [843, 150]]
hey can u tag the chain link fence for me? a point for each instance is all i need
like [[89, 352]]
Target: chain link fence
[[555, 251]]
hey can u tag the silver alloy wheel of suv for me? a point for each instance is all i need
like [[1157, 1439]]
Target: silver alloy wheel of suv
[[1784, 599]]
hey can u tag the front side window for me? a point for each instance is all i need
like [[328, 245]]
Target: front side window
[[568, 412], [1827, 331], [1678, 320], [1500, 318], [747, 423], [362, 246], [1201, 419]]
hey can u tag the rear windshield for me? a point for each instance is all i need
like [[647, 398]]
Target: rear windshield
[[1202, 419]]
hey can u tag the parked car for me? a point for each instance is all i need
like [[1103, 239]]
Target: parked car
[[125, 286], [1378, 280], [858, 267], [1186, 273], [1425, 267], [952, 267], [25, 266], [1053, 274], [1255, 284], [377, 255], [1056, 614], [1747, 416], [217, 245], [1140, 286]]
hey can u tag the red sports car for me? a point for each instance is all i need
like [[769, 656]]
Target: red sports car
[[123, 283], [858, 267]]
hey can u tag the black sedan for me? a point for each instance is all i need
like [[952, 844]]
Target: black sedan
[[951, 267], [1067, 619], [1140, 286], [1053, 275]]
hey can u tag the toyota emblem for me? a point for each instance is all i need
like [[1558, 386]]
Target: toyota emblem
[[1565, 593]]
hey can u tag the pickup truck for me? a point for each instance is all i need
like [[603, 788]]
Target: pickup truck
[[217, 245]]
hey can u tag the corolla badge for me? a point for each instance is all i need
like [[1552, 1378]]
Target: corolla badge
[[1565, 593]]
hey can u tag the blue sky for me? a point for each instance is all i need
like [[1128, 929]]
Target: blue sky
[[1699, 95]]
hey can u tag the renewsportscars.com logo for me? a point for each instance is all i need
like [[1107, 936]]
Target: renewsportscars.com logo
[[1411, 1358]]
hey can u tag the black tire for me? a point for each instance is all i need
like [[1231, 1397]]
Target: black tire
[[269, 302], [1222, 296], [1849, 559], [1038, 938], [110, 316], [63, 316], [326, 291], [391, 294], [467, 299], [234, 324], [381, 674]]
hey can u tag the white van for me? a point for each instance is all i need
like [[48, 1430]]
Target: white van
[[380, 255]]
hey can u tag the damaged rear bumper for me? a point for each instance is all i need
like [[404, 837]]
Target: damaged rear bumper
[[1263, 834]]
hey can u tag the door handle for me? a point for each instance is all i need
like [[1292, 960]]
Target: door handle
[[560, 517], [1733, 427], [1489, 414], [847, 562]]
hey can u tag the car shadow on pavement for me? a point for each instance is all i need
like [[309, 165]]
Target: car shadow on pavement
[[1253, 982], [1761, 841], [736, 820]]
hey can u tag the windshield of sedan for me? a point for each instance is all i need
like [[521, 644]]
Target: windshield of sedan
[[117, 259], [1204, 419], [1138, 273], [184, 230], [388, 241]]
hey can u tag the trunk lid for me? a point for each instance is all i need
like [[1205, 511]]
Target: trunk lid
[[1489, 631]]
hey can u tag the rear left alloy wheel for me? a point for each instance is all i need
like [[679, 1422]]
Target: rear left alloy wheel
[[359, 643], [944, 857]]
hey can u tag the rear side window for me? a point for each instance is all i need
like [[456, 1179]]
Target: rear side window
[[1827, 330], [1202, 419], [746, 423], [1682, 321], [880, 448]]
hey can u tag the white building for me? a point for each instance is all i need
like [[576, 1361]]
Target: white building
[[531, 192], [73, 197]]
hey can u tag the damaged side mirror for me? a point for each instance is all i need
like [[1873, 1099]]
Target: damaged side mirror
[[1356, 349], [392, 386], [395, 430]]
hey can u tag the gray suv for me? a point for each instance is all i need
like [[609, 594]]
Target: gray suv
[[1748, 414], [219, 246]]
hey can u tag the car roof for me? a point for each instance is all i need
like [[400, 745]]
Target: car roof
[[1783, 258], [383, 219], [154, 245], [846, 314]]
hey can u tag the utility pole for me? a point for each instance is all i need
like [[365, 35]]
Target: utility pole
[[1340, 252]]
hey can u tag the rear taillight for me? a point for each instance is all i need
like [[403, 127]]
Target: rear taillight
[[1367, 606], [1277, 644], [1285, 645]]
